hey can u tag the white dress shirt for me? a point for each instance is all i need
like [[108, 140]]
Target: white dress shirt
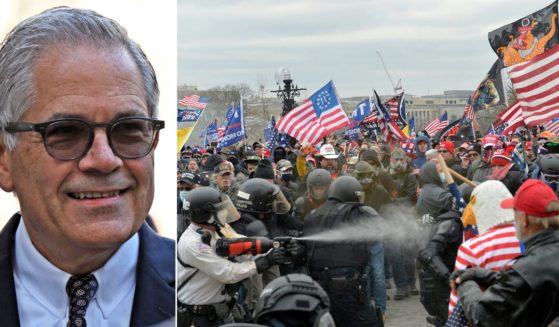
[[41, 287], [208, 284]]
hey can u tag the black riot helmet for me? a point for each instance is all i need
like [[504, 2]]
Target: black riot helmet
[[205, 205], [549, 169], [346, 189], [293, 300], [318, 182], [258, 195], [549, 164]]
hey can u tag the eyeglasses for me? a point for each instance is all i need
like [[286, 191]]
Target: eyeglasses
[[71, 138], [443, 151], [474, 154]]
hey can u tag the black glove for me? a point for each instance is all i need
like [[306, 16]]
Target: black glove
[[484, 277], [293, 248], [455, 274], [273, 257]]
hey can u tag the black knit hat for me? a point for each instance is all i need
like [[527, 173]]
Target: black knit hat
[[264, 170]]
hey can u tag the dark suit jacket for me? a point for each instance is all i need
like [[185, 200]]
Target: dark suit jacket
[[154, 300]]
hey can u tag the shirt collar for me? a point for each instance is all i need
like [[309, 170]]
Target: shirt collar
[[47, 283]]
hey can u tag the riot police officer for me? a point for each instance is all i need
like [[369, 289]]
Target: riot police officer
[[202, 275], [340, 267]]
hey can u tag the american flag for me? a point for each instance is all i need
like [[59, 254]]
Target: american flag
[[535, 83], [437, 125], [457, 318], [318, 116], [373, 115], [194, 101], [509, 120], [552, 126], [388, 126]]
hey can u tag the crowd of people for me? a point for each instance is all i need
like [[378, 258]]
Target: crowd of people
[[475, 225]]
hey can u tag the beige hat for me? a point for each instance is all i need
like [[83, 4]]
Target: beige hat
[[328, 151]]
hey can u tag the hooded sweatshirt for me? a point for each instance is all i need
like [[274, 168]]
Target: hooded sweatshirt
[[421, 159], [434, 199]]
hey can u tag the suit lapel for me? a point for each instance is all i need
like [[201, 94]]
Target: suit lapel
[[8, 299], [155, 297]]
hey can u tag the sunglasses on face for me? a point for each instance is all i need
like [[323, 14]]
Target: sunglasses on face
[[474, 154], [443, 151], [71, 138]]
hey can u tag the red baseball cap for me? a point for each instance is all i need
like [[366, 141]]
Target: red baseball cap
[[532, 197], [448, 146]]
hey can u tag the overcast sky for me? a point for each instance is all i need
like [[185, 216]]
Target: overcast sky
[[432, 45]]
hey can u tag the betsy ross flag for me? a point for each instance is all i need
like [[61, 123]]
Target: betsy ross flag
[[509, 120], [537, 87], [437, 125], [194, 101], [320, 115]]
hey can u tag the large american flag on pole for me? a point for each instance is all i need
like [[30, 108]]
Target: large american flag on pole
[[320, 115], [552, 126], [537, 87], [509, 120], [194, 101], [437, 125]]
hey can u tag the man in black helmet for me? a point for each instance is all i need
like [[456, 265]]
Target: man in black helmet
[[294, 300], [340, 265], [318, 182], [202, 275]]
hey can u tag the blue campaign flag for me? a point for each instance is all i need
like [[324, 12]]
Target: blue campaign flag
[[362, 110], [211, 133], [353, 130], [235, 128], [188, 115]]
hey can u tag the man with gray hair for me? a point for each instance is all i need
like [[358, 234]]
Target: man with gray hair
[[78, 101], [527, 294]]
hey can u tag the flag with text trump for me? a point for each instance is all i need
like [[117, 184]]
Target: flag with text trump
[[320, 115]]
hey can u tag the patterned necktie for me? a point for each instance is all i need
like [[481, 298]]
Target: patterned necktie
[[80, 289]]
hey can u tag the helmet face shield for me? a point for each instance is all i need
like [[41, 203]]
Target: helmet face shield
[[280, 205], [324, 320], [360, 196], [225, 211]]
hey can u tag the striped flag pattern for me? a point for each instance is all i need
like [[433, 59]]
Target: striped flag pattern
[[537, 87], [320, 115], [494, 249], [469, 111], [437, 125], [552, 126], [509, 120], [220, 132], [194, 101]]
